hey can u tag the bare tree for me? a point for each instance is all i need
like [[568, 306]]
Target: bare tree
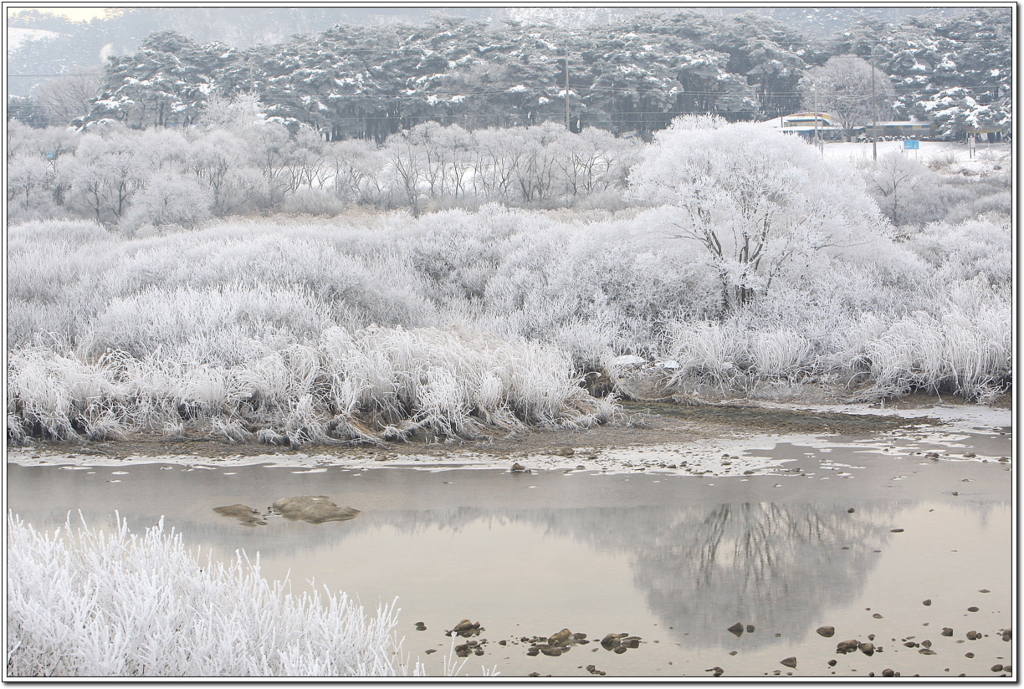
[[66, 97], [844, 86]]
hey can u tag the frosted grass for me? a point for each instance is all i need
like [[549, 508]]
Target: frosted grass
[[377, 384], [89, 603]]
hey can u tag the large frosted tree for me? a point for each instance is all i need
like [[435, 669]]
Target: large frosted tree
[[752, 199]]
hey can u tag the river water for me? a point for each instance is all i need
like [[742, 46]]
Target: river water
[[671, 558]]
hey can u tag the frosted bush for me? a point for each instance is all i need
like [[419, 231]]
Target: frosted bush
[[89, 603], [708, 349], [347, 388]]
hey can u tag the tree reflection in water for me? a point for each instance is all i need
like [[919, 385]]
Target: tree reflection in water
[[701, 568]]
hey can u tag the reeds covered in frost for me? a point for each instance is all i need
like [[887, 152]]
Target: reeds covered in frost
[[379, 383], [89, 603]]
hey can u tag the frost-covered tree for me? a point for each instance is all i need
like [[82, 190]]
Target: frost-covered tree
[[104, 173], [843, 86], [168, 198], [892, 180], [752, 198]]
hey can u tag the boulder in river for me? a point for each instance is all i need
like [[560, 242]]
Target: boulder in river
[[827, 631], [561, 638], [789, 662], [243, 513], [466, 628], [315, 509], [736, 629], [611, 641], [848, 646]]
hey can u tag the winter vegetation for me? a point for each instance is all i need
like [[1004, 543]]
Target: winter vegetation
[[736, 252], [95, 603], [629, 70]]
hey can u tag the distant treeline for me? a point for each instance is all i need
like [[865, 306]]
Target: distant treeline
[[235, 163], [632, 73]]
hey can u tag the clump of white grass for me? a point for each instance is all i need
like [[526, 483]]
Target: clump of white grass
[[967, 354], [708, 349], [88, 603], [780, 354], [378, 384]]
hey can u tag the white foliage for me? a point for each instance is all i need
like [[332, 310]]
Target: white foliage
[[751, 198], [90, 603]]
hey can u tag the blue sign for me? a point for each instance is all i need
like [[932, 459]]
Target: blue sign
[[911, 143]]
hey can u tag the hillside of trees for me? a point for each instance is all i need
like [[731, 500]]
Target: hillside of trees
[[628, 73]]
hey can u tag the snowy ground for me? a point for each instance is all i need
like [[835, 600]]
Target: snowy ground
[[16, 36], [986, 155], [721, 456]]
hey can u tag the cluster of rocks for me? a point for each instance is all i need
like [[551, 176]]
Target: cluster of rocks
[[554, 645], [315, 509], [738, 628], [472, 646], [465, 629], [868, 648], [619, 643]]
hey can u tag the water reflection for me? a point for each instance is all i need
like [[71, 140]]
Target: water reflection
[[701, 566], [776, 566]]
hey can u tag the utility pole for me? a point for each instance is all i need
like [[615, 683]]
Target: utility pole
[[817, 141], [874, 114], [567, 127]]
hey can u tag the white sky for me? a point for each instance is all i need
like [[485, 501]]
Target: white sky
[[78, 14]]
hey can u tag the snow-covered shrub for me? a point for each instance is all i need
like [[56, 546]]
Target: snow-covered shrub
[[93, 603], [313, 202], [960, 252], [379, 382], [967, 354], [168, 198], [749, 200], [712, 350]]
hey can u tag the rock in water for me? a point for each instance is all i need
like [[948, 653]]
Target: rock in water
[[848, 646], [243, 513], [736, 629], [466, 627], [789, 662], [750, 628], [315, 509], [560, 638], [826, 631], [564, 452], [867, 648]]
